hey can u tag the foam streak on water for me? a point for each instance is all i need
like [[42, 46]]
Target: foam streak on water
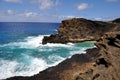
[[28, 56]]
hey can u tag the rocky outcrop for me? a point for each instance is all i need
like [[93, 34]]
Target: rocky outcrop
[[116, 21], [79, 29], [101, 63]]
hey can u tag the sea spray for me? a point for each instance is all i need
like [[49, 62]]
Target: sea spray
[[22, 52], [33, 57]]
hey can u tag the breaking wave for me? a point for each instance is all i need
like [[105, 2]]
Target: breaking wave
[[29, 56]]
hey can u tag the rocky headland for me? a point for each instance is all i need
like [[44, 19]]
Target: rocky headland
[[100, 63], [79, 29]]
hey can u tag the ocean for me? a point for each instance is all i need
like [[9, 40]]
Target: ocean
[[21, 51]]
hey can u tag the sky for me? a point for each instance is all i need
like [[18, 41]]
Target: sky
[[57, 10]]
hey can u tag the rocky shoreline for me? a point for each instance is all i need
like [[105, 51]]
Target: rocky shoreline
[[100, 63]]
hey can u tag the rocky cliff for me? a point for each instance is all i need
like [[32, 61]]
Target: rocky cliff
[[101, 63], [79, 29]]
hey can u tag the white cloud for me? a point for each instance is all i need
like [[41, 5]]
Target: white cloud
[[98, 19], [10, 11], [45, 4], [13, 1], [112, 0], [82, 6], [29, 14], [67, 17], [105, 18]]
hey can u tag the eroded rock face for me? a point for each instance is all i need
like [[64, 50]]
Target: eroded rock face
[[101, 63], [106, 65], [79, 29]]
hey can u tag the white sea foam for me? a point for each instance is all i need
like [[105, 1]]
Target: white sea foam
[[13, 68], [29, 42], [33, 65], [7, 68], [55, 58], [55, 30], [57, 45], [82, 50], [34, 42]]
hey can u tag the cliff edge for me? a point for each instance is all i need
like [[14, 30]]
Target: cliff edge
[[80, 29]]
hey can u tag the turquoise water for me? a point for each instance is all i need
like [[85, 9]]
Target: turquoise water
[[21, 51]]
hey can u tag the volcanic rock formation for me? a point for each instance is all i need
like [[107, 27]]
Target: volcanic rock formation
[[79, 29]]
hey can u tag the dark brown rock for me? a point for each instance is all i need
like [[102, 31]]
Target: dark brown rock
[[55, 38], [79, 29]]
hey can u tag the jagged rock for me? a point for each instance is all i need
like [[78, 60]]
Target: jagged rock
[[54, 39], [79, 29], [101, 63]]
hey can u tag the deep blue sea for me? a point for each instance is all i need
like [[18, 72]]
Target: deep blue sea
[[21, 51]]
